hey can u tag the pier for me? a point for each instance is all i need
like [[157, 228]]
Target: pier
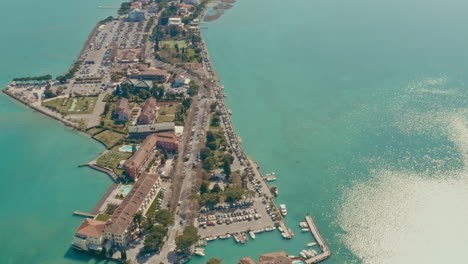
[[84, 214], [326, 252]]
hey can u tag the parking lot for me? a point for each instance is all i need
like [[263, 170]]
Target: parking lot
[[216, 222]]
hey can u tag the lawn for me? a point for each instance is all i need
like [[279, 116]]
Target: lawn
[[109, 138], [73, 105], [111, 159], [103, 217], [166, 113], [171, 43]]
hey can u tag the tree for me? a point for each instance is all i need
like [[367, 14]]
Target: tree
[[187, 239], [164, 217], [123, 254], [228, 157], [138, 217], [214, 261], [205, 153], [233, 193], [212, 145], [216, 188], [227, 168], [104, 252], [154, 240], [204, 186], [210, 136], [209, 163]]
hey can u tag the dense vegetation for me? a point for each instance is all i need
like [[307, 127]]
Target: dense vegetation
[[187, 239], [34, 79]]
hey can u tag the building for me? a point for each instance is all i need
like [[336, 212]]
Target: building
[[136, 5], [122, 110], [136, 164], [175, 21], [185, 9], [168, 141], [89, 236], [146, 130], [180, 80], [118, 228], [136, 15], [127, 55], [153, 74], [139, 84], [279, 257], [148, 113], [193, 2]]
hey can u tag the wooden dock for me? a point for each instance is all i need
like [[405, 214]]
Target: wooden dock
[[326, 252], [84, 214]]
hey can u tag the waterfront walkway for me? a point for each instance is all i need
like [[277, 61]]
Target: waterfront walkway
[[326, 252]]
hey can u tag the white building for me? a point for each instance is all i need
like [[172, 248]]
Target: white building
[[177, 21], [136, 15], [180, 80], [89, 235]]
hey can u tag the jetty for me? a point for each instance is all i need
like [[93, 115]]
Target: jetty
[[325, 250], [84, 214]]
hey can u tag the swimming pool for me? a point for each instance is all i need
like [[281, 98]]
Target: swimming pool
[[125, 190], [127, 148]]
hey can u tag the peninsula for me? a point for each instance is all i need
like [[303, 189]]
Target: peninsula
[[144, 86]]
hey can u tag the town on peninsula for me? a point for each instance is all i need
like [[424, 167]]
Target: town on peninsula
[[144, 86]]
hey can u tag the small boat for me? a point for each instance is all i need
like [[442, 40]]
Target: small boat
[[224, 236], [303, 224], [259, 230], [230, 111], [244, 236], [284, 210], [211, 238], [311, 244], [274, 190], [270, 228], [252, 234], [305, 229], [284, 235], [303, 254], [280, 229], [237, 238], [200, 252], [315, 252]]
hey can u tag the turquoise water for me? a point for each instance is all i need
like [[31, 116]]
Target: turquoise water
[[127, 148], [360, 107], [126, 190], [41, 183]]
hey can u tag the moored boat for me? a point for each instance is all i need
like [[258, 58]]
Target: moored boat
[[311, 244], [305, 229], [284, 210], [252, 234]]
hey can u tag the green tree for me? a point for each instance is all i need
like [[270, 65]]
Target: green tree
[[210, 136], [164, 217], [227, 168], [216, 188], [212, 145], [209, 163], [154, 240], [138, 217], [123, 254], [205, 153], [187, 239], [204, 186]]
